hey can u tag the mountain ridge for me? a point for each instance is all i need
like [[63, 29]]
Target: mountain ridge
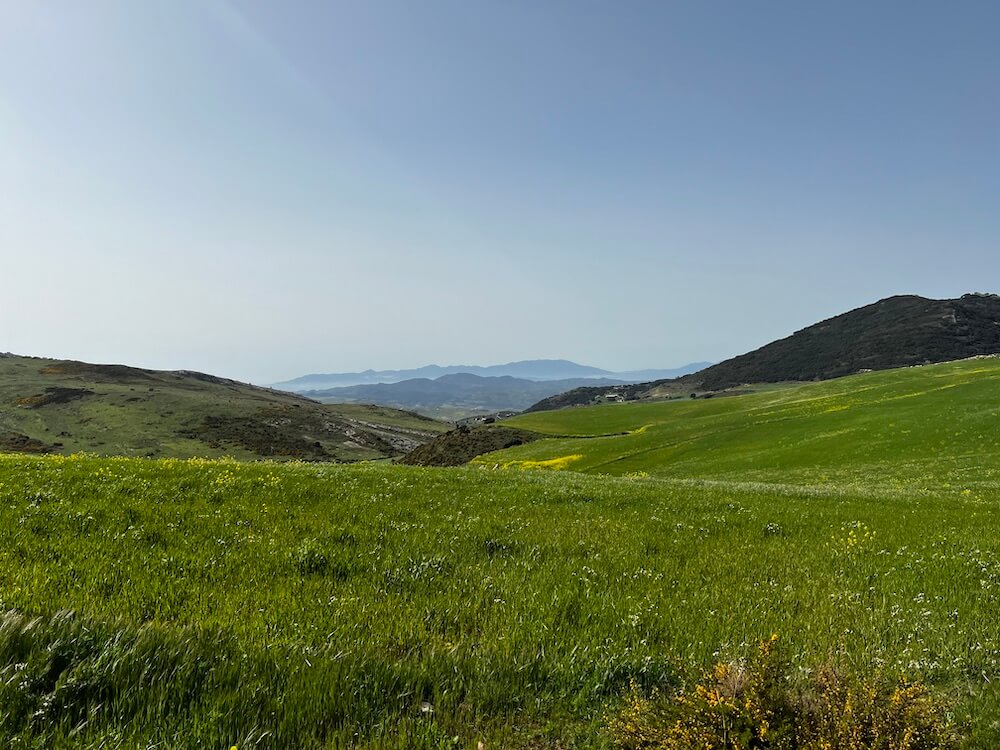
[[460, 394], [531, 369]]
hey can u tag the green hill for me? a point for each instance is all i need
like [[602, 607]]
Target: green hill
[[894, 332], [55, 406], [916, 426]]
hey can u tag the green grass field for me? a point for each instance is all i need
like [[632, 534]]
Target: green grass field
[[183, 604], [920, 428]]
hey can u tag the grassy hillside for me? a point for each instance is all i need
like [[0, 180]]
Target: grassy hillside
[[919, 427], [65, 407], [210, 604], [895, 332]]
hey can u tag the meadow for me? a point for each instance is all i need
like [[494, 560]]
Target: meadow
[[922, 428], [210, 603]]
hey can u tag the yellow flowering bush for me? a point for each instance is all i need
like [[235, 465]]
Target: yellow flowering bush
[[736, 706], [847, 714], [755, 705]]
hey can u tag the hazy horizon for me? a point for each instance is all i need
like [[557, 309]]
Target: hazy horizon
[[262, 191]]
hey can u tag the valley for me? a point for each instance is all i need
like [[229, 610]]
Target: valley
[[499, 375]]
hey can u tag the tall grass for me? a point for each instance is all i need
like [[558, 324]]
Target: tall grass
[[209, 604], [919, 428]]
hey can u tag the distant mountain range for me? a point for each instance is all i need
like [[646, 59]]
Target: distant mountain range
[[457, 395], [534, 369], [894, 332]]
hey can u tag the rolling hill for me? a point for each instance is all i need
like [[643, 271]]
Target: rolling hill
[[55, 406], [894, 332], [916, 426]]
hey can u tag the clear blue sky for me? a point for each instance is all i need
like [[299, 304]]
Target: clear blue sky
[[263, 189]]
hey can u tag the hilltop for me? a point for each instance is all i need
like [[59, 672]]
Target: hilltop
[[895, 332], [58, 406]]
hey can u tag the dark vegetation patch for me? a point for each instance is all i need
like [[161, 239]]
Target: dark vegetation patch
[[324, 558], [16, 442], [463, 444], [586, 395], [289, 432], [260, 436], [54, 395], [98, 373]]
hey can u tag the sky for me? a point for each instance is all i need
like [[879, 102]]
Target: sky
[[262, 190]]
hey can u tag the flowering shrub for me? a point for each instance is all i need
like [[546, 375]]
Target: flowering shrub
[[846, 714], [756, 706]]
